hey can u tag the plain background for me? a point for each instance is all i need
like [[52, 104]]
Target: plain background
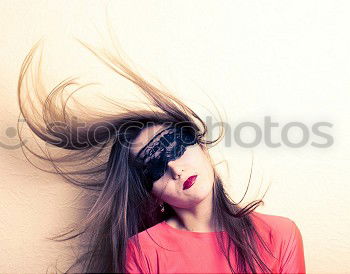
[[288, 60]]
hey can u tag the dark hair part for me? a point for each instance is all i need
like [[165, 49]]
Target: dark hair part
[[93, 158]]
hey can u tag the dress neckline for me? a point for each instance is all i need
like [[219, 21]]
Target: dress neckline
[[187, 232]]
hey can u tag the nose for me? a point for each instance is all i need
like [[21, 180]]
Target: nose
[[176, 169]]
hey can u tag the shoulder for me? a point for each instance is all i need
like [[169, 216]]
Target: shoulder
[[272, 219], [149, 236], [145, 259], [279, 231], [275, 223], [286, 238]]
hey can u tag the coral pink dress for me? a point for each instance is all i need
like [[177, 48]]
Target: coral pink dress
[[180, 251]]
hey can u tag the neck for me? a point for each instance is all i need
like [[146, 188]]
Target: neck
[[197, 219]]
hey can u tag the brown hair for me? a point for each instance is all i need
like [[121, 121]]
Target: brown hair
[[97, 159]]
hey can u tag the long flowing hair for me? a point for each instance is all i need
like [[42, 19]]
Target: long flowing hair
[[96, 158]]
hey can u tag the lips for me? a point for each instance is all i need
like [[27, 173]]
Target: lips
[[189, 182]]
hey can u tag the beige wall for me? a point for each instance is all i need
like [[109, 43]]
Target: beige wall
[[288, 60]]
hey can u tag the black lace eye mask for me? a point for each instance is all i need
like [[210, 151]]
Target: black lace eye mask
[[164, 147]]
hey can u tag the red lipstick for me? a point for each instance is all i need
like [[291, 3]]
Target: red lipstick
[[189, 182]]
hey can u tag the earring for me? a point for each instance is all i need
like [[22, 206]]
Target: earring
[[162, 208]]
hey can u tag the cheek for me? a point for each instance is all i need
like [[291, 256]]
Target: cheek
[[206, 168], [155, 190], [202, 160], [158, 188]]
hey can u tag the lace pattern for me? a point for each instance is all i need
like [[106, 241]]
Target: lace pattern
[[166, 146]]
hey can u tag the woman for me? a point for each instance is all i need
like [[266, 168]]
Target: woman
[[156, 201]]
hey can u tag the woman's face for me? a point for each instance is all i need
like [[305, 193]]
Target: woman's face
[[194, 161]]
